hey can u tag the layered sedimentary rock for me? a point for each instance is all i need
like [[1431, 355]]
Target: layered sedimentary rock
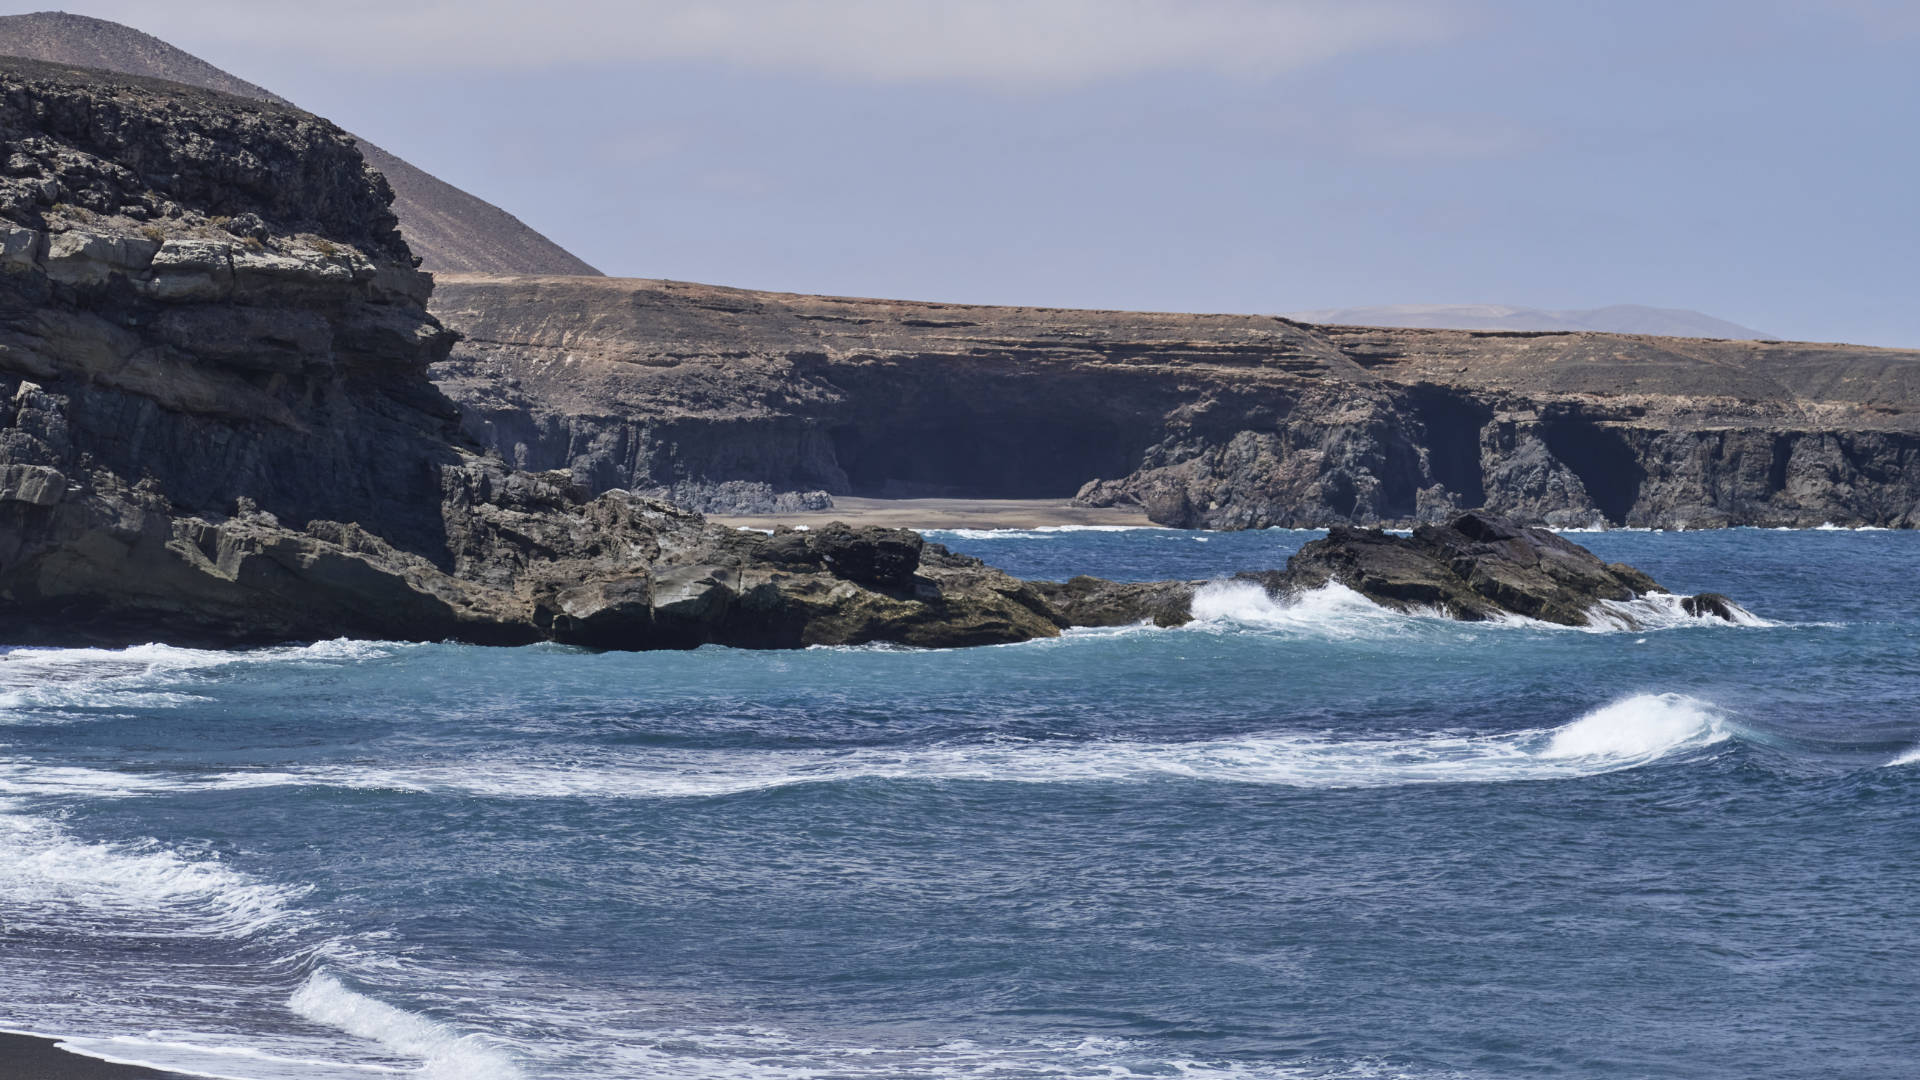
[[1214, 421], [216, 424]]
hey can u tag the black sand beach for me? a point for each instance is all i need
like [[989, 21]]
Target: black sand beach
[[30, 1057]]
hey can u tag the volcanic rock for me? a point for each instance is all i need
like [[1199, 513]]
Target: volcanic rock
[[216, 425], [1473, 568]]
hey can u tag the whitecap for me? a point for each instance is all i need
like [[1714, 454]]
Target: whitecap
[[52, 881], [1640, 728], [1911, 757], [1626, 734], [41, 684]]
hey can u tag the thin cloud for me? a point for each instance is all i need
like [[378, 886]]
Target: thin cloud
[[983, 42]]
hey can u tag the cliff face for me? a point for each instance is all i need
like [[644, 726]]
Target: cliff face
[[216, 424], [447, 227], [1216, 421]]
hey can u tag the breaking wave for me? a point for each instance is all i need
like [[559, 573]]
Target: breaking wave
[[53, 882], [1332, 610], [446, 1053], [1626, 734], [96, 680], [1335, 611]]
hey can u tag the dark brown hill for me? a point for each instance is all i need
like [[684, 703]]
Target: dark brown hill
[[448, 228]]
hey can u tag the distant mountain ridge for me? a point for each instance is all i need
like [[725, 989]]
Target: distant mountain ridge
[[448, 228], [1616, 319]]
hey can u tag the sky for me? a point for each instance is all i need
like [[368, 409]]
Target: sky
[[1753, 159]]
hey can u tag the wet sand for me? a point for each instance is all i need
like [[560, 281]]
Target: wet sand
[[947, 514], [30, 1057]]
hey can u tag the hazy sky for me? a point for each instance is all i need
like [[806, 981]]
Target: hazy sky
[[1758, 160]]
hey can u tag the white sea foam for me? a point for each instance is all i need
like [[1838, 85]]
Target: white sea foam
[[1633, 732], [1661, 611], [213, 1061], [1333, 610], [25, 778], [1336, 611], [1911, 757], [43, 684], [40, 664], [760, 1054], [51, 880], [445, 1053], [1641, 728]]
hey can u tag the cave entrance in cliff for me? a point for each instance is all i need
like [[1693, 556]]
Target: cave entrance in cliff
[[1603, 460], [976, 457], [1451, 422]]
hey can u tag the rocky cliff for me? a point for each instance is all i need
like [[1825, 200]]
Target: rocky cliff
[[447, 227], [1215, 421], [216, 424]]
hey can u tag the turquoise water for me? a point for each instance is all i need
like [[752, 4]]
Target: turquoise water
[[1294, 840]]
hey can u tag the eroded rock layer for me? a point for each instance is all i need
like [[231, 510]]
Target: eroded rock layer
[[1213, 421]]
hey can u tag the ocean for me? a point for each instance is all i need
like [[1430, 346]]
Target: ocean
[[1305, 839]]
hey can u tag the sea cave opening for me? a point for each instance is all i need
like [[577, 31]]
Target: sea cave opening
[[1603, 460]]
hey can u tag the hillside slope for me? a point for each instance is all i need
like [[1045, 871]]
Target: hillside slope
[[1615, 319], [448, 228]]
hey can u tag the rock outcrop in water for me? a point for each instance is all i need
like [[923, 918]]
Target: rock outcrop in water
[[1473, 568], [1205, 421], [216, 424]]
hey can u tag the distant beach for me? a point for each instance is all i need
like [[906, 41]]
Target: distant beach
[[948, 514]]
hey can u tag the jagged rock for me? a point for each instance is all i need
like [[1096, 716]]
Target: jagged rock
[[216, 427], [1710, 605], [1092, 601], [1474, 567], [739, 497]]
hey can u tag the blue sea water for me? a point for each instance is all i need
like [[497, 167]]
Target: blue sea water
[[1312, 839]]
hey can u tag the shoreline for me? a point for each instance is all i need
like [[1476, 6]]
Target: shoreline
[[40, 1057], [924, 514]]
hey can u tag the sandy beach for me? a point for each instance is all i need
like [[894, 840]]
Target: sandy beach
[[30, 1057], [947, 514]]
